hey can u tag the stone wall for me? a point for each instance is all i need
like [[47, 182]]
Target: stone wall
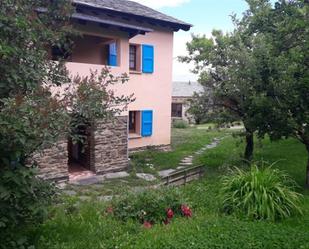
[[53, 162], [111, 145], [163, 147], [108, 148]]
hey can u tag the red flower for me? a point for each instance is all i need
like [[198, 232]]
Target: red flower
[[147, 225], [186, 211], [169, 213], [109, 210]]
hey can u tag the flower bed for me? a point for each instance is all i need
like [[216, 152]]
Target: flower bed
[[150, 207]]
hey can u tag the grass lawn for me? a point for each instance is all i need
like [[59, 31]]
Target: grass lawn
[[184, 143], [81, 225]]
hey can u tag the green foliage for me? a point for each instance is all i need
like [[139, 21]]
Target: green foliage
[[227, 67], [259, 194], [282, 52], [33, 114], [201, 108], [30, 116], [24, 37], [260, 70], [23, 200], [180, 124], [150, 205]]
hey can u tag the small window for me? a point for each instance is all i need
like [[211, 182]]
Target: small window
[[134, 122], [133, 57], [176, 110], [135, 64]]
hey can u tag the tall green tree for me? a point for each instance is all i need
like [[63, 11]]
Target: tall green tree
[[283, 67], [226, 66]]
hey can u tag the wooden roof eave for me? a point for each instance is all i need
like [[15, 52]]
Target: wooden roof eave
[[132, 30]]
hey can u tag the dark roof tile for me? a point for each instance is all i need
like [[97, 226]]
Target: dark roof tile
[[133, 8]]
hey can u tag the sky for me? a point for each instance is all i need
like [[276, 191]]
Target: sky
[[204, 15]]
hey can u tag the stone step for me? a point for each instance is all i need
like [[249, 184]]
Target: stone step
[[121, 174], [185, 163], [166, 172], [146, 177]]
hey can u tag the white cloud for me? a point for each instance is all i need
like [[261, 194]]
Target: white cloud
[[162, 3], [181, 71]]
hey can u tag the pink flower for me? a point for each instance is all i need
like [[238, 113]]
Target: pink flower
[[186, 211], [169, 213], [147, 225]]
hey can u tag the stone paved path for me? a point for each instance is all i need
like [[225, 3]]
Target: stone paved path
[[187, 162], [89, 178]]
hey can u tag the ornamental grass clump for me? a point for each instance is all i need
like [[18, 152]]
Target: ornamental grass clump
[[259, 194]]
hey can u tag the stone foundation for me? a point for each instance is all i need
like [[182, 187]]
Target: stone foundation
[[111, 145], [53, 162], [163, 147]]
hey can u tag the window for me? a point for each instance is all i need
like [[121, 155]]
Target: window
[[133, 57], [141, 123], [134, 122], [176, 110], [135, 64]]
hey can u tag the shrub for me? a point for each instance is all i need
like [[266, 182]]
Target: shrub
[[24, 200], [180, 124], [259, 194], [152, 206]]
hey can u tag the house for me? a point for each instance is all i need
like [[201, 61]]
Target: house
[[127, 37], [182, 93]]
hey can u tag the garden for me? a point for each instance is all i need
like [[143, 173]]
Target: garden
[[196, 215], [254, 192]]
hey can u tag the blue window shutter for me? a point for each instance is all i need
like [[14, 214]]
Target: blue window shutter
[[148, 58], [112, 56], [147, 118]]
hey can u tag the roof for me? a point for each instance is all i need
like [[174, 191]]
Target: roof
[[186, 89], [135, 9], [104, 20], [108, 21]]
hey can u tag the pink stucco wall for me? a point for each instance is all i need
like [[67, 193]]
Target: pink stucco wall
[[152, 91]]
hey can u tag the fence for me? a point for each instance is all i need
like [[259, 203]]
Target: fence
[[183, 176]]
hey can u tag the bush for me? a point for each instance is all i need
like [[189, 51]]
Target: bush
[[150, 206], [23, 201], [180, 124], [259, 194]]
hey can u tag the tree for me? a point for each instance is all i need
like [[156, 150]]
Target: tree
[[284, 67], [226, 66], [199, 108], [32, 115]]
